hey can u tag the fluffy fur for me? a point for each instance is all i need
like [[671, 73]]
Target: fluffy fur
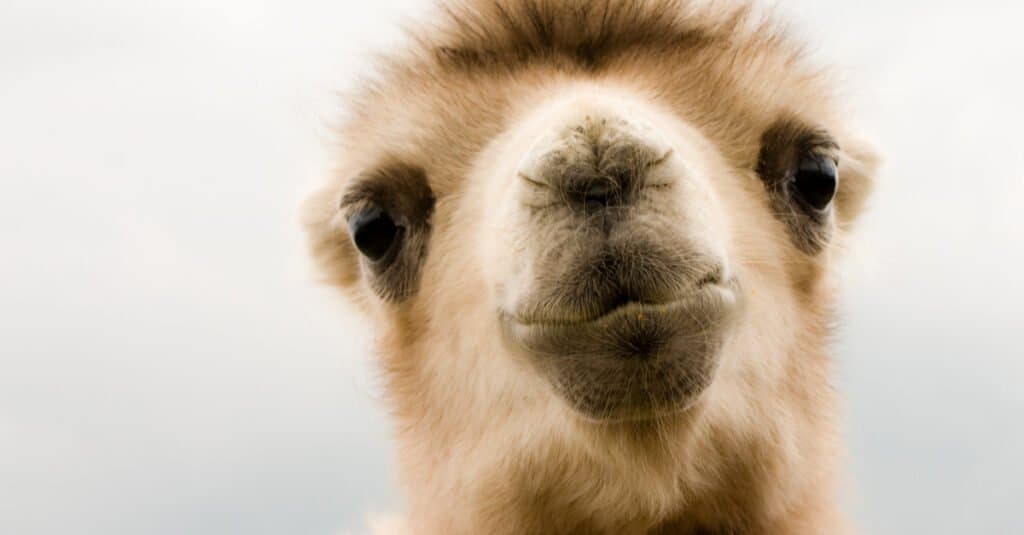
[[483, 444]]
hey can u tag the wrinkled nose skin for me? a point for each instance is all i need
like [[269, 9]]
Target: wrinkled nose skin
[[596, 161]]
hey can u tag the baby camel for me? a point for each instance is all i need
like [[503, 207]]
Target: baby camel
[[597, 238]]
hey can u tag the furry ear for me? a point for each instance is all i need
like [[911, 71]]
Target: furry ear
[[859, 161], [328, 238]]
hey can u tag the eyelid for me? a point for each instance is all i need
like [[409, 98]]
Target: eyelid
[[821, 143], [816, 162], [358, 196], [352, 202]]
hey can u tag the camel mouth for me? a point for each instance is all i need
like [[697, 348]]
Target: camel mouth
[[623, 306], [637, 359]]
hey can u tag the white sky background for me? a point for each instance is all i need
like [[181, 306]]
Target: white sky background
[[167, 364]]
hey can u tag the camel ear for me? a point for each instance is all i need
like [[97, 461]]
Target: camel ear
[[328, 237], [859, 161]]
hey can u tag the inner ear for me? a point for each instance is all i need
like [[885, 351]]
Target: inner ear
[[331, 249], [859, 162]]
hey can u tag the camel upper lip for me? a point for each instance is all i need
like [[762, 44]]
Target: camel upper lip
[[629, 307]]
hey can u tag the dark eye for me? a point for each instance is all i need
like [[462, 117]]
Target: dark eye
[[815, 181], [373, 231]]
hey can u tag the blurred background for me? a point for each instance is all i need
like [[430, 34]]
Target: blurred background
[[168, 364]]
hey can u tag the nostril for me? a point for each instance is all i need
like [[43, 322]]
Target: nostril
[[713, 277], [599, 194], [595, 192]]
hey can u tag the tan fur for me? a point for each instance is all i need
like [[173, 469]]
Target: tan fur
[[483, 445]]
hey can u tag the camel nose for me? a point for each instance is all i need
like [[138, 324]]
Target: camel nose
[[596, 162]]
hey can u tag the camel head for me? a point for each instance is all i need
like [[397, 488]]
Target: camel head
[[569, 219]]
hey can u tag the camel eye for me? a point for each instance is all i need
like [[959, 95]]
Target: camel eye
[[798, 164], [815, 182], [374, 232], [388, 211]]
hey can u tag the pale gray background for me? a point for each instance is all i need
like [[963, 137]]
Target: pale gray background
[[168, 366]]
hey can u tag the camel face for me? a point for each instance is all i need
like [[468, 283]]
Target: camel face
[[595, 240], [617, 283], [602, 245]]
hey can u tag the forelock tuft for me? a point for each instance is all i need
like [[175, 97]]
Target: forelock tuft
[[585, 33]]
